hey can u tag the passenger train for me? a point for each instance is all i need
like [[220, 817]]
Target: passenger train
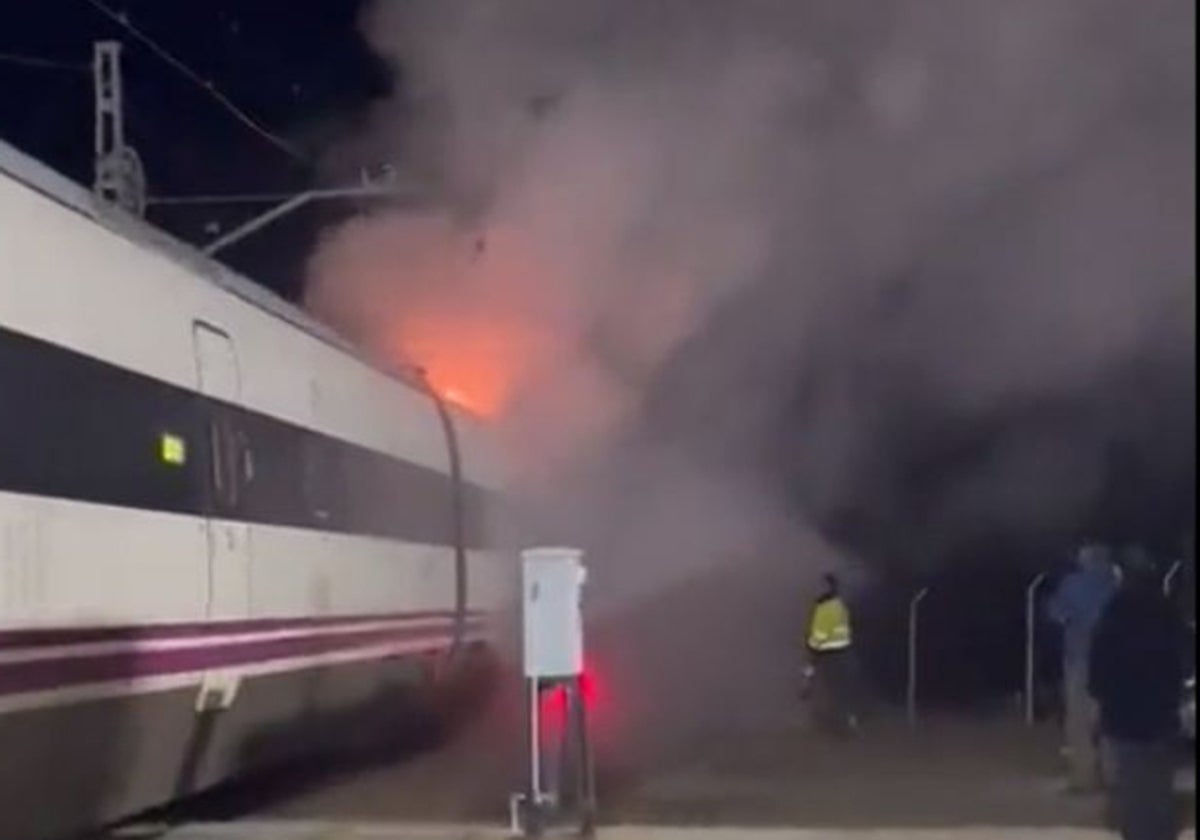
[[225, 538]]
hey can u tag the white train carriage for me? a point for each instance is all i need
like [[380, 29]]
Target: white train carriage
[[224, 538]]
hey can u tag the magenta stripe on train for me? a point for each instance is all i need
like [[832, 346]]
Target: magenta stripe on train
[[60, 636]]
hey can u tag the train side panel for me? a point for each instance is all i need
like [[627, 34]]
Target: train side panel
[[119, 689]]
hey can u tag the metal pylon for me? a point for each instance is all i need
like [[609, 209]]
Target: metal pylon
[[119, 178]]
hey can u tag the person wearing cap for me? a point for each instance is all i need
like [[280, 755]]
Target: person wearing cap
[[1137, 668]]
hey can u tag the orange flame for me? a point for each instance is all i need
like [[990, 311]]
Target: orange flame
[[473, 361], [474, 320]]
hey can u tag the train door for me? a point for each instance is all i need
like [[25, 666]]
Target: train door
[[219, 377]]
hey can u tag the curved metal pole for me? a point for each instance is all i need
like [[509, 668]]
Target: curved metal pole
[[458, 517], [1031, 643], [1169, 577], [914, 610]]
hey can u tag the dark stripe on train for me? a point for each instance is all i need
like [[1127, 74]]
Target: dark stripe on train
[[75, 427]]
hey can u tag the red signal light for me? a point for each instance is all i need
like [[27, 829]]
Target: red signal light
[[589, 688], [553, 706]]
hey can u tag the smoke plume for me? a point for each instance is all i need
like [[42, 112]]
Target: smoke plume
[[727, 276]]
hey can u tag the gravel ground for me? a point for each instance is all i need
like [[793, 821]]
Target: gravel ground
[[325, 831], [948, 774]]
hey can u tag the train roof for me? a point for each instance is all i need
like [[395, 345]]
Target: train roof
[[40, 177]]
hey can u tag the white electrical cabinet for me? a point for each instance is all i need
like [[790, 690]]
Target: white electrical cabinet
[[552, 589]]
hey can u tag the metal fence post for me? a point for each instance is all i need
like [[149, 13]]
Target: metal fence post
[[914, 609], [1031, 644], [1169, 578]]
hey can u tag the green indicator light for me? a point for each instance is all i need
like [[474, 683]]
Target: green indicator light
[[172, 449]]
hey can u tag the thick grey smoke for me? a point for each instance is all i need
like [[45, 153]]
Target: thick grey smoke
[[909, 268]]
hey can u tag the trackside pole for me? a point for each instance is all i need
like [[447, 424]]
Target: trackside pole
[[914, 615], [1168, 583], [552, 627], [1031, 593]]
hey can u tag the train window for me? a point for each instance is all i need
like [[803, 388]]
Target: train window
[[219, 480], [231, 463], [244, 456], [322, 480]]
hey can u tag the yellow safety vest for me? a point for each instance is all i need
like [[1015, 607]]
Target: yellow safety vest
[[830, 628]]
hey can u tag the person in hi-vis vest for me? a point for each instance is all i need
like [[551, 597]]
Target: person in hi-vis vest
[[830, 664]]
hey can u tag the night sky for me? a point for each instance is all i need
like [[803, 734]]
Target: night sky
[[300, 69]]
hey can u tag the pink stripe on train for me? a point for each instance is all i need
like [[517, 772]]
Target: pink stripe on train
[[102, 655], [38, 636]]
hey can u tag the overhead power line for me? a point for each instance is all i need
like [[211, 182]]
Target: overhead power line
[[38, 63], [211, 89]]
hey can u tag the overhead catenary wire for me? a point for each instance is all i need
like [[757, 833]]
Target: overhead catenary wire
[[37, 62], [246, 119], [233, 198]]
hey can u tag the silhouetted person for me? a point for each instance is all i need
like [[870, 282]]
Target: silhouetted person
[[1138, 662], [829, 642], [1077, 605]]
